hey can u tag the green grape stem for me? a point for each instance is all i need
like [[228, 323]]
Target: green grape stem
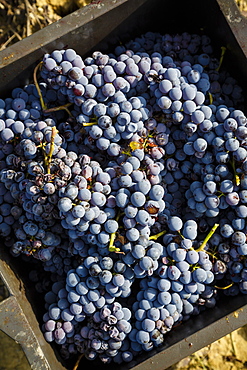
[[224, 287], [78, 361], [210, 98], [180, 234], [155, 237], [111, 246], [128, 153], [43, 106], [237, 179], [61, 107], [223, 51], [48, 158], [93, 121], [210, 234]]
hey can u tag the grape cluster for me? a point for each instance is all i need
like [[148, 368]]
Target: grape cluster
[[105, 335], [124, 176], [82, 311], [181, 286]]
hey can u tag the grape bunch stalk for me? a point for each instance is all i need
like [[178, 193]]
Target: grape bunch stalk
[[123, 176]]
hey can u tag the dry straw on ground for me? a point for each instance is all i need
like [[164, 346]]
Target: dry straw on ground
[[21, 18]]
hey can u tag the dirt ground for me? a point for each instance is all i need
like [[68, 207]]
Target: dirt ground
[[228, 353], [21, 18]]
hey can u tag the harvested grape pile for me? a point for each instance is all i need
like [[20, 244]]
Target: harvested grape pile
[[22, 26], [124, 177]]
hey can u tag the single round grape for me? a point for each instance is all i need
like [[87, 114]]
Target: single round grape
[[175, 223], [142, 337]]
